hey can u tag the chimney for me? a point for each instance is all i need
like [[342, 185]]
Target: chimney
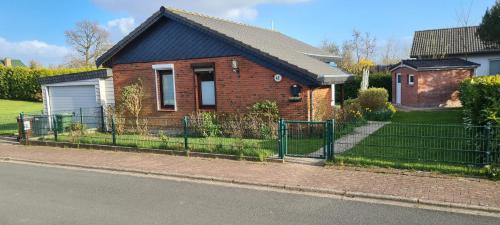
[[7, 62]]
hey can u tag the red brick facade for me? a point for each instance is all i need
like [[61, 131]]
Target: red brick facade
[[431, 88], [234, 92]]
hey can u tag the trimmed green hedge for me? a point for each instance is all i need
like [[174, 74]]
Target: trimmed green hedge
[[480, 98], [379, 80], [20, 83]]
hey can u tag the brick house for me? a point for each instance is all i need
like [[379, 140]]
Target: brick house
[[193, 63], [429, 82]]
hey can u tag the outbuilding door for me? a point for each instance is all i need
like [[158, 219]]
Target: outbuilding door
[[398, 89], [75, 100]]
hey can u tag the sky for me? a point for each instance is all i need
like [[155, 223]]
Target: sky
[[34, 29]]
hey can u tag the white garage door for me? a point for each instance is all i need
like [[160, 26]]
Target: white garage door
[[71, 98]]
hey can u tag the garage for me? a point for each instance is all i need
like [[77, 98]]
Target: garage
[[82, 96]]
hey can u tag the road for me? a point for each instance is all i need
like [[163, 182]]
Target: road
[[32, 194]]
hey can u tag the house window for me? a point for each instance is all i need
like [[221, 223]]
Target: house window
[[494, 67], [411, 79], [165, 86], [206, 87]]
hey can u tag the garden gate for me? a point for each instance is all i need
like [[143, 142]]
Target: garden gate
[[310, 139]]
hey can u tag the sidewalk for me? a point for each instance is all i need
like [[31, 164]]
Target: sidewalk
[[449, 189]]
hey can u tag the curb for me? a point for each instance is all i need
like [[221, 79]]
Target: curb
[[346, 194]]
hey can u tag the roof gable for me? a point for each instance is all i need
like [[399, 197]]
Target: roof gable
[[449, 42], [169, 40], [268, 48]]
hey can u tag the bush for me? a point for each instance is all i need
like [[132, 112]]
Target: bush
[[380, 80], [205, 124], [20, 83], [383, 114], [480, 98], [373, 99]]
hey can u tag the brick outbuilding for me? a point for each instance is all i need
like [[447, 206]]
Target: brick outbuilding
[[429, 82], [193, 63]]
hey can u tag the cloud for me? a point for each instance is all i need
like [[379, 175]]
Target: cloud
[[118, 28], [39, 51], [231, 9]]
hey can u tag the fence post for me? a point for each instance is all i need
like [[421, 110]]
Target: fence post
[[487, 143], [103, 128], [185, 124], [55, 127], [81, 116], [331, 139], [21, 124], [113, 130], [280, 139]]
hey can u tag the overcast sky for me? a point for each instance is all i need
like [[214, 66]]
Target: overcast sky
[[34, 29]]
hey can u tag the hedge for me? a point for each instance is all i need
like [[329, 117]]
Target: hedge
[[480, 98], [20, 83], [379, 80]]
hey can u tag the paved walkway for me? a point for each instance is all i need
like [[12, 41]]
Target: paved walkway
[[348, 141], [411, 185]]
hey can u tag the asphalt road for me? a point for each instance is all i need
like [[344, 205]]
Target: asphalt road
[[44, 195]]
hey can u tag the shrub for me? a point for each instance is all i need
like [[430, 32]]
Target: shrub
[[351, 112], [480, 98], [383, 114], [75, 131], [131, 101], [267, 110], [21, 83], [380, 80], [373, 99], [205, 124]]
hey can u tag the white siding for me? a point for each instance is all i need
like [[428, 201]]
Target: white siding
[[107, 91], [484, 61]]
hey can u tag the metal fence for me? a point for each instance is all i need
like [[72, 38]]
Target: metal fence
[[420, 146], [406, 143]]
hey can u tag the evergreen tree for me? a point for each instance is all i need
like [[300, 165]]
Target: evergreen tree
[[489, 29]]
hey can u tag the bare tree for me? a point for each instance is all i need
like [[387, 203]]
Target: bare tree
[[368, 46], [35, 65], [89, 42], [392, 52], [347, 54], [463, 18], [330, 47], [356, 44]]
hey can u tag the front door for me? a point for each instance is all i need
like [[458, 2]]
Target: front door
[[398, 89]]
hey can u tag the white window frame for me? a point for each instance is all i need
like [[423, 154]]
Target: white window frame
[[411, 83], [156, 68]]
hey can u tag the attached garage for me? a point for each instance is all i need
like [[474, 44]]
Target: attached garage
[[77, 93]]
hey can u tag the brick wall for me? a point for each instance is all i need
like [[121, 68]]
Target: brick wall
[[432, 88], [233, 93], [322, 98]]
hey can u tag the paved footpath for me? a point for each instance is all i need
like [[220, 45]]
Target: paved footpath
[[471, 191]]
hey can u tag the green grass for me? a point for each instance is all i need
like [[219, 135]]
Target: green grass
[[421, 140], [448, 116], [10, 109]]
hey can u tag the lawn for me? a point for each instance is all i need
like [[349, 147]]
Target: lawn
[[423, 140], [10, 109]]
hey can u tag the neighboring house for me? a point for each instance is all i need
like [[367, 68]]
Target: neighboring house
[[82, 92], [429, 82], [8, 62], [193, 63], [461, 42]]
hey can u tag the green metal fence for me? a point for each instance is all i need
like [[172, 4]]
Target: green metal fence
[[306, 139], [420, 145], [409, 145]]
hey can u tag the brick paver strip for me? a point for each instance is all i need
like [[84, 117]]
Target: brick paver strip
[[449, 189]]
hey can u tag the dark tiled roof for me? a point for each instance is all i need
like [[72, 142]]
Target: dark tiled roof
[[101, 73], [267, 42], [449, 42], [14, 62], [432, 64]]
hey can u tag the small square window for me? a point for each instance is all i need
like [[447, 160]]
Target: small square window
[[411, 79]]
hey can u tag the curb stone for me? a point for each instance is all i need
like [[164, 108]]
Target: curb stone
[[341, 193]]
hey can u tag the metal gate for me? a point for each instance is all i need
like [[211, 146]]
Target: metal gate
[[310, 139]]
